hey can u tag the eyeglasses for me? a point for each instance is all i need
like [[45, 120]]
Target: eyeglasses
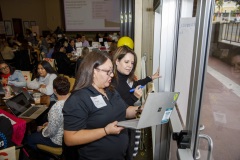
[[109, 72], [4, 68]]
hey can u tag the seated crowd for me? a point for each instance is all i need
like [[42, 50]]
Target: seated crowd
[[87, 118]]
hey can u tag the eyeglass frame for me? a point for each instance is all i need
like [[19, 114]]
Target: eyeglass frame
[[4, 68], [109, 72]]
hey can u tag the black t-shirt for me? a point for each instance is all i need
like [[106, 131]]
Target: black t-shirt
[[82, 111]]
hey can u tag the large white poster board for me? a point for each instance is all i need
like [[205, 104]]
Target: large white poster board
[[92, 15], [184, 63]]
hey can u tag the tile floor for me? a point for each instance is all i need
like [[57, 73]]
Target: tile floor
[[219, 114]]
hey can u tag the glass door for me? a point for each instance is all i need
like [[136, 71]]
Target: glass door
[[212, 113], [220, 106], [192, 56], [202, 38]]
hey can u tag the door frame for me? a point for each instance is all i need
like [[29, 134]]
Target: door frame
[[203, 28], [17, 26], [200, 53]]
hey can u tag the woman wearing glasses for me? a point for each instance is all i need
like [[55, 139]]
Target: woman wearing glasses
[[92, 111], [10, 76]]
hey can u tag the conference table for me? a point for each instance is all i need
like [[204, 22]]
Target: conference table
[[19, 124]]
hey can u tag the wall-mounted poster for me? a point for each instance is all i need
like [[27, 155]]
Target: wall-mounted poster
[[25, 25], [8, 28], [33, 23], [2, 28]]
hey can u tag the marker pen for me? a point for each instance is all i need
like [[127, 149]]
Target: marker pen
[[132, 90]]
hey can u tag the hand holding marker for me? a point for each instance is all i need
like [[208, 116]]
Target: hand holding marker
[[132, 90]]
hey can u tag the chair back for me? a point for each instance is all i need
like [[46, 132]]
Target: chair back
[[53, 152], [8, 153], [52, 62], [71, 80]]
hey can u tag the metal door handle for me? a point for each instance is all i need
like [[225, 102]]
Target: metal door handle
[[210, 144]]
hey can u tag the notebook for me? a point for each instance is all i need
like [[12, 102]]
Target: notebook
[[157, 110], [21, 107]]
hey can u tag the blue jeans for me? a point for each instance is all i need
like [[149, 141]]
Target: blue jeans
[[37, 138]]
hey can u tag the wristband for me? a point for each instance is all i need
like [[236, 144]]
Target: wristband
[[138, 112], [105, 131]]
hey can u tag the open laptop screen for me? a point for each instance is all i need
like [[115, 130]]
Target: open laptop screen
[[18, 104], [1, 89]]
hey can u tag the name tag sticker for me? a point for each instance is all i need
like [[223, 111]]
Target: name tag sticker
[[98, 101], [166, 115]]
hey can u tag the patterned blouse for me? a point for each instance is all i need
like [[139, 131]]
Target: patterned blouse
[[54, 129]]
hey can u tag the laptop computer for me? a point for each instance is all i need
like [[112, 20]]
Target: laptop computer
[[157, 110], [18, 90], [1, 89], [21, 107]]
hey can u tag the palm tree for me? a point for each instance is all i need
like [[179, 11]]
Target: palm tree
[[237, 4], [219, 4]]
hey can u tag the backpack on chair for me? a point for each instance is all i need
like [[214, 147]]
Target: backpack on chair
[[6, 131]]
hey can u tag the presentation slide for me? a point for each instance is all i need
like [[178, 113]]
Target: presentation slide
[[92, 15]]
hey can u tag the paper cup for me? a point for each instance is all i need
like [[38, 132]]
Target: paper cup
[[7, 91], [37, 98]]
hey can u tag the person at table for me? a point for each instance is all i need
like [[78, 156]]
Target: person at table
[[125, 62], [51, 132], [30, 37], [78, 38], [43, 46], [44, 84], [10, 76], [71, 46], [58, 30], [98, 35], [106, 37], [85, 43], [7, 52], [64, 64], [112, 48], [50, 50], [85, 51], [44, 79], [92, 111], [22, 56]]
